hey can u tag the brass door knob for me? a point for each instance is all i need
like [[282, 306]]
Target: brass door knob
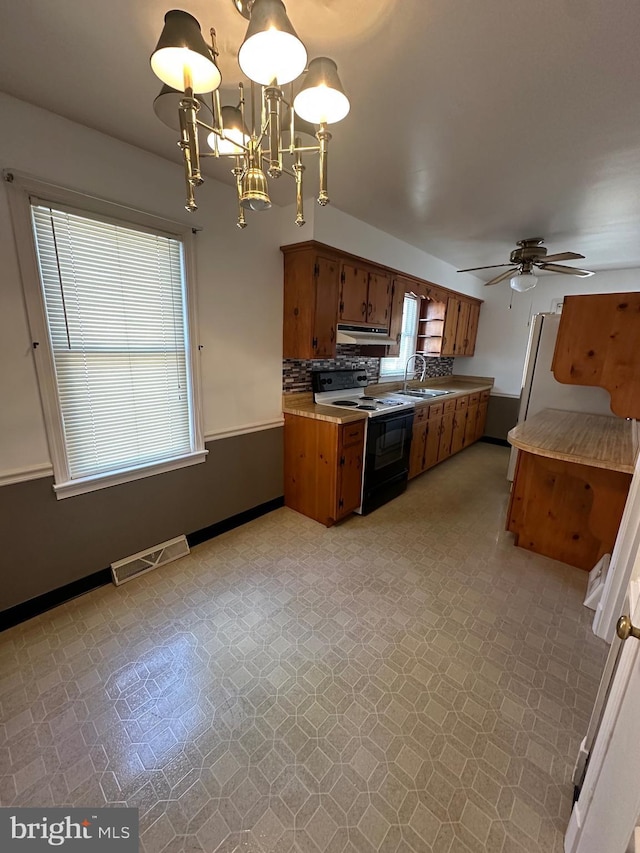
[[625, 629]]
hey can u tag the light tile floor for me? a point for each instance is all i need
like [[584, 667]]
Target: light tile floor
[[408, 681]]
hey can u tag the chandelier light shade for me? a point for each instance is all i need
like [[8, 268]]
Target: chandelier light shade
[[523, 281], [271, 51], [322, 98], [167, 107], [183, 55], [271, 143]]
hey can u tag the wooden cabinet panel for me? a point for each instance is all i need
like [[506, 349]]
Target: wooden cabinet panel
[[353, 294], [597, 344], [472, 329], [379, 297], [310, 306], [322, 467], [418, 441], [434, 429], [350, 476], [566, 511], [450, 326], [471, 426], [462, 328], [326, 283], [459, 425], [398, 290], [446, 435]]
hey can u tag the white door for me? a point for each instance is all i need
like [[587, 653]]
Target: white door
[[608, 809]]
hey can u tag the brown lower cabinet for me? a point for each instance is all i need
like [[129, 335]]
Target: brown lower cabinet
[[322, 467], [442, 429]]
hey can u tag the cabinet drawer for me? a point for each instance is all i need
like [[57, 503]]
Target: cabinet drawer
[[352, 434], [474, 398], [435, 410], [484, 395], [421, 414], [449, 406], [461, 403]]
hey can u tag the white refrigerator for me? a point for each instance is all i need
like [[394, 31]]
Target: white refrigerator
[[541, 390]]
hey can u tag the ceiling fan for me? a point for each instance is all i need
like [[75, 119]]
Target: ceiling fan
[[531, 253]]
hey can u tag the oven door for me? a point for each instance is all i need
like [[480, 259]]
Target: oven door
[[386, 467]]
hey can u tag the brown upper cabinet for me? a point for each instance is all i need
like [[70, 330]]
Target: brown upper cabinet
[[324, 286], [364, 296], [598, 344]]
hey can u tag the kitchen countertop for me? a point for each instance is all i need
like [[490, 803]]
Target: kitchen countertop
[[599, 441], [303, 404]]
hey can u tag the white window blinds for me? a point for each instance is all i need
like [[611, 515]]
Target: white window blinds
[[395, 366], [115, 306]]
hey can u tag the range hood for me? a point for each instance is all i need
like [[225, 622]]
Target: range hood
[[363, 336]]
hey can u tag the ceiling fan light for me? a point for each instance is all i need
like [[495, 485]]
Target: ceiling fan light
[[255, 191], [167, 104], [181, 48], [523, 281], [322, 98], [271, 50], [235, 133]]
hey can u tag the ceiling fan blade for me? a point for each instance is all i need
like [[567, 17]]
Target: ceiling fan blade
[[501, 277], [492, 267], [562, 256], [565, 270]]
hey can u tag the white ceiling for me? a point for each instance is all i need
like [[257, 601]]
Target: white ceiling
[[473, 124]]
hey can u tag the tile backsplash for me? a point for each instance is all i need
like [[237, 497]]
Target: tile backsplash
[[296, 374]]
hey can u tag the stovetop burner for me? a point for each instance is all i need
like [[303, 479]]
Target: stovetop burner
[[345, 402]]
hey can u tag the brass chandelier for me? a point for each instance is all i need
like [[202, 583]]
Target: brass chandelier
[[271, 56]]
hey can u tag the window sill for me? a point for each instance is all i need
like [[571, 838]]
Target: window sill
[[83, 485]]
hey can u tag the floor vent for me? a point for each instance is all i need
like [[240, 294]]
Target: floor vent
[[144, 561]]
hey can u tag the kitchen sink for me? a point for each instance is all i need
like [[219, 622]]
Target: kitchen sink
[[426, 392]]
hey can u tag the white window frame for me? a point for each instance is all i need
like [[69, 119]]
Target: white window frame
[[21, 189], [414, 336]]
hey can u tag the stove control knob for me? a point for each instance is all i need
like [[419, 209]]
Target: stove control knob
[[362, 378], [329, 381]]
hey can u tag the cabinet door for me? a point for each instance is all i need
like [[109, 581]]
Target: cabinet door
[[326, 280], [470, 431], [459, 424], [353, 294], [434, 428], [418, 441], [397, 307], [446, 434], [462, 328], [350, 469], [378, 299], [472, 329], [450, 326]]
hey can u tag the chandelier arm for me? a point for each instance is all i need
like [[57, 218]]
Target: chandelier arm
[[298, 168], [273, 97], [238, 172], [186, 157], [323, 138], [302, 149]]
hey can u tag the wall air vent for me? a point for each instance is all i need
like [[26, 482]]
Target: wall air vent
[[144, 561]]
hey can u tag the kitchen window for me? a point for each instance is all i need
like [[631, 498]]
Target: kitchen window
[[111, 312], [395, 366]]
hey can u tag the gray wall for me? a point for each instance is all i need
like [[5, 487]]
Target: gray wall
[[47, 543], [502, 415]]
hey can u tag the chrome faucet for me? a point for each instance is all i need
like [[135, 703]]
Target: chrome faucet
[[416, 355]]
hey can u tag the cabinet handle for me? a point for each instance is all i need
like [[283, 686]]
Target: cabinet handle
[[370, 308], [332, 334], [364, 309]]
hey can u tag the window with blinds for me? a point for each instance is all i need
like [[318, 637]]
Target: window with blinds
[[396, 366], [114, 299]]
